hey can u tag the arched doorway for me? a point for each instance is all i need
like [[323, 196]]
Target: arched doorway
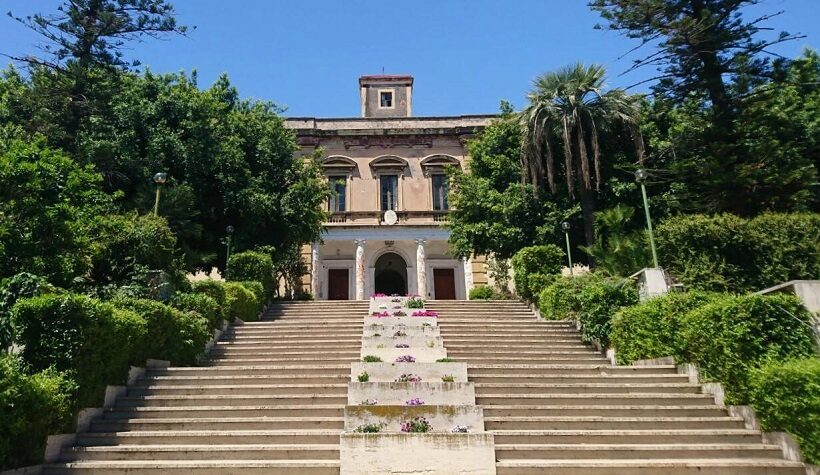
[[391, 274]]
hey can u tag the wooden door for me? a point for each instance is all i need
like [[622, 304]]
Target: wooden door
[[337, 284], [444, 281]]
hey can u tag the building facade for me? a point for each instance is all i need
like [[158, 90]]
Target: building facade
[[388, 227]]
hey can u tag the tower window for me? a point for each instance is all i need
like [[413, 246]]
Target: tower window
[[385, 99]]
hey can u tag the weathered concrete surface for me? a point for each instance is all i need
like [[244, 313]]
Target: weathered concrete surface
[[441, 418], [398, 393], [412, 340], [428, 454], [429, 372], [422, 354], [407, 321], [380, 329]]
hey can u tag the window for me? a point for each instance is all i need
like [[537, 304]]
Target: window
[[440, 190], [338, 187], [386, 99], [389, 186]]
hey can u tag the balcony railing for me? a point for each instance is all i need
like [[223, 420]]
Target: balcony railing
[[377, 217]]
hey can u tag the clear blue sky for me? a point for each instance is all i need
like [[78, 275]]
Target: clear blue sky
[[466, 55]]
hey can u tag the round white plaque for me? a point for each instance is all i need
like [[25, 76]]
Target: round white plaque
[[390, 217]]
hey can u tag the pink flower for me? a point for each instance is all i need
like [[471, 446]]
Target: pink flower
[[425, 313]]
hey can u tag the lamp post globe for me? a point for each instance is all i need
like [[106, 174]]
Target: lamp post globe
[[641, 175], [566, 226], [159, 178], [229, 229]]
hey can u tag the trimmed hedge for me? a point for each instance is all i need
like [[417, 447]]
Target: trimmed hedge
[[534, 268], [241, 302], [482, 292], [598, 301], [256, 288], [202, 304], [95, 340], [172, 335], [728, 253], [786, 397], [34, 406], [652, 328], [559, 300], [12, 289], [252, 266], [216, 290]]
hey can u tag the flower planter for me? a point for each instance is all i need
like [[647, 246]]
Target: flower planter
[[442, 418], [422, 354], [397, 394], [430, 372]]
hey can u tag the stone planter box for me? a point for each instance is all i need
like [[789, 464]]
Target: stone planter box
[[407, 321], [414, 341], [422, 354], [429, 372], [388, 330], [441, 418], [444, 454], [432, 393]]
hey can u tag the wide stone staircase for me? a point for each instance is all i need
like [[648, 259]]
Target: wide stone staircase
[[556, 406], [269, 399]]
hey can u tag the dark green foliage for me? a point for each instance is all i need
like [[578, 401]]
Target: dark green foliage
[[12, 289], [598, 302], [95, 340], [652, 329], [728, 253], [252, 266], [172, 335], [204, 305], [559, 300], [256, 289], [786, 396], [371, 359], [34, 406], [733, 335], [482, 292], [241, 302], [620, 248], [534, 267], [216, 290]]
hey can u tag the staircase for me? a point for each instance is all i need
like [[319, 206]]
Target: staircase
[[556, 406], [270, 399]]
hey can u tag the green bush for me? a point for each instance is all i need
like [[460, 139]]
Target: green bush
[[786, 396], [252, 266], [12, 289], [202, 304], [95, 340], [598, 301], [172, 335], [729, 253], [730, 337], [559, 300], [34, 406], [241, 302], [256, 288], [482, 292], [214, 289], [652, 328], [533, 265]]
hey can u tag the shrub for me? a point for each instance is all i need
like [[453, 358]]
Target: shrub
[[532, 265], [786, 397], [255, 288], [652, 328], [172, 335], [214, 289], [12, 289], [241, 302], [72, 332], [598, 301], [252, 266], [202, 304], [733, 335], [482, 292], [34, 406], [728, 253], [559, 300], [371, 359]]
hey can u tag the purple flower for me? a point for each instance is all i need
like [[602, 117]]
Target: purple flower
[[402, 345], [425, 313], [405, 359]]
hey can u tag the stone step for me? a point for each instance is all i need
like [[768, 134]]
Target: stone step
[[218, 423], [324, 351], [500, 335], [534, 341], [237, 389], [588, 410], [245, 379], [650, 467], [475, 369], [198, 467], [543, 359], [202, 437], [276, 337], [280, 347], [283, 360], [613, 423], [254, 370], [586, 388], [204, 452], [579, 378], [622, 399], [624, 436], [230, 400], [581, 353], [520, 347], [635, 451], [282, 410]]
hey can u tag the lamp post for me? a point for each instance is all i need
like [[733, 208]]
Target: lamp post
[[566, 227], [229, 231], [160, 179], [640, 176]]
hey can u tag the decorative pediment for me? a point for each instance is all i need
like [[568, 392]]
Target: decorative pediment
[[388, 164], [338, 164], [437, 163]]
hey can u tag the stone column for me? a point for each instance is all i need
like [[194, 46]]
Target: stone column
[[315, 268], [468, 275], [360, 268], [421, 268]]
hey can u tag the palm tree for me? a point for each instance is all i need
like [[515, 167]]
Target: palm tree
[[567, 110]]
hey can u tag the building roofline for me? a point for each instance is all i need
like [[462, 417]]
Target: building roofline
[[413, 118]]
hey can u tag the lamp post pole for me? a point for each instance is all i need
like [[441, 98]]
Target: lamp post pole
[[566, 227], [640, 176], [229, 231], [160, 179]]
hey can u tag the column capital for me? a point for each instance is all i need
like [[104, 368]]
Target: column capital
[[421, 241], [360, 242]]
